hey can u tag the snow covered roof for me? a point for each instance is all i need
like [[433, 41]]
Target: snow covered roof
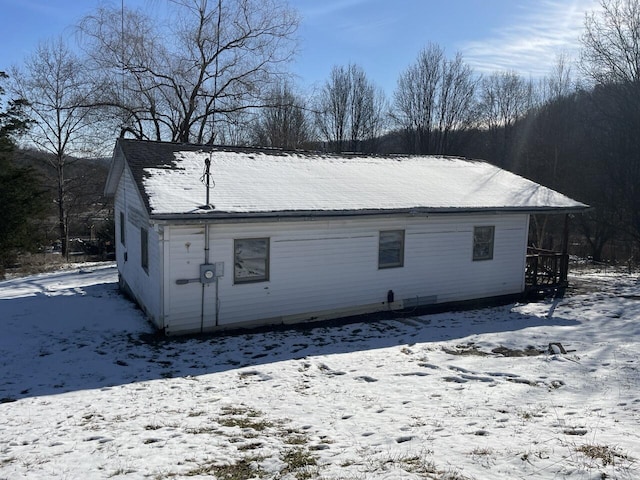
[[272, 182]]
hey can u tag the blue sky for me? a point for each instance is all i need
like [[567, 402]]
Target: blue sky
[[384, 37]]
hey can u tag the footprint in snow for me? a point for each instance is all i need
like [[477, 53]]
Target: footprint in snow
[[405, 438], [428, 365], [454, 379], [502, 374], [459, 369], [319, 446], [477, 378], [261, 377], [328, 371], [523, 381]]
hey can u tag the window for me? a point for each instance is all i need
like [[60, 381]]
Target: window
[[251, 260], [144, 249], [122, 225], [483, 243], [391, 249]]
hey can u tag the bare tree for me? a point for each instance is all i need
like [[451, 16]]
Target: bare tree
[[560, 82], [333, 107], [234, 128], [283, 122], [350, 111], [218, 58], [56, 82], [611, 57], [434, 97], [611, 42], [505, 97]]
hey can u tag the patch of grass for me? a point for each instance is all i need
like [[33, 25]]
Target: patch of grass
[[483, 456], [241, 470], [605, 454], [249, 446], [530, 414], [481, 451], [451, 475], [121, 471], [240, 410], [244, 422], [243, 417], [300, 463], [202, 430], [418, 464], [296, 439]]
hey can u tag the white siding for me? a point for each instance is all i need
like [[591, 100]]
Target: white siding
[[143, 285], [330, 267], [184, 253]]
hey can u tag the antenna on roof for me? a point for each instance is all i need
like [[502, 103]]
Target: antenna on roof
[[206, 179]]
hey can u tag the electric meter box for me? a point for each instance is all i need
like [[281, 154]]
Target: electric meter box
[[210, 271]]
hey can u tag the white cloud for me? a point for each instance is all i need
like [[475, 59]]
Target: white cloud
[[532, 41], [326, 8]]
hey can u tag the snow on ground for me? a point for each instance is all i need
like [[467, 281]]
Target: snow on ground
[[88, 391]]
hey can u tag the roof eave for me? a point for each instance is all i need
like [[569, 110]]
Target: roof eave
[[313, 214]]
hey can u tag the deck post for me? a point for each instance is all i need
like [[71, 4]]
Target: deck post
[[564, 261]]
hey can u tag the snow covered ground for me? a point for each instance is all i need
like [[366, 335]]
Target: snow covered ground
[[88, 391]]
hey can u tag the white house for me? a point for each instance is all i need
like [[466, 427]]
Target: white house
[[282, 237]]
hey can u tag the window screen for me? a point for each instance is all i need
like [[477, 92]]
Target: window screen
[[251, 260], [391, 249], [483, 243]]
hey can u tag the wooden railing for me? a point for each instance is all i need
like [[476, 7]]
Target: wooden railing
[[546, 268]]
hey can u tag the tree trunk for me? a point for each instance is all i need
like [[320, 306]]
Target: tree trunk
[[62, 224]]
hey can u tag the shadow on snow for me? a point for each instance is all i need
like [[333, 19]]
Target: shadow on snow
[[91, 337]]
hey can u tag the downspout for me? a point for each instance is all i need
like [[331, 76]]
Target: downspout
[[206, 262], [217, 304]]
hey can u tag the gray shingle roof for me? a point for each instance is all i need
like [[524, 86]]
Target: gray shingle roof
[[250, 181]]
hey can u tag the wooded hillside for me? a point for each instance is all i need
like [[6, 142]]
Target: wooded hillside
[[575, 130]]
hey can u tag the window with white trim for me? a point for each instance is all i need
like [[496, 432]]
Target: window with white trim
[[391, 249], [250, 260], [483, 238]]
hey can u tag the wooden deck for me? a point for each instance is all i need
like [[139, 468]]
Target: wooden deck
[[546, 269]]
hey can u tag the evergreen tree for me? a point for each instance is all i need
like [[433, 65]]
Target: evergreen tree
[[21, 198]]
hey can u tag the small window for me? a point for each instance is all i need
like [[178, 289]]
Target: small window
[[391, 249], [483, 243], [251, 260], [144, 249], [122, 226]]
